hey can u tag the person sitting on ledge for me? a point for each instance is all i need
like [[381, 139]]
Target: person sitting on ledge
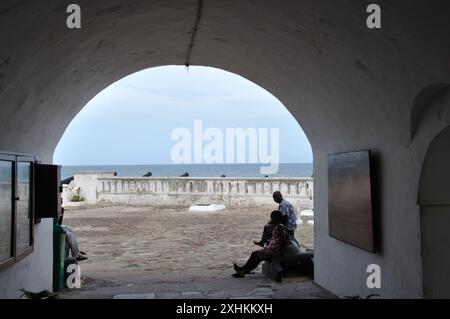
[[72, 244], [289, 215], [289, 220], [266, 235], [272, 249]]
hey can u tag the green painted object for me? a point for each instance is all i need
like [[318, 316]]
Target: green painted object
[[59, 247]]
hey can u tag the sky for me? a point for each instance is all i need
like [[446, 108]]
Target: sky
[[136, 119]]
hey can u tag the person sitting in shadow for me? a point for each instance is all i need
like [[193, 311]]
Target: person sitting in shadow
[[289, 215], [290, 247], [72, 244], [266, 235], [289, 220], [273, 248]]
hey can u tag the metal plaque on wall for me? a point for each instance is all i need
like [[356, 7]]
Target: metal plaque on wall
[[350, 199]]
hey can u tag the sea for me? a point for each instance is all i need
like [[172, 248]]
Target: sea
[[194, 170]]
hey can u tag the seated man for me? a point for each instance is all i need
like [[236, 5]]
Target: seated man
[[273, 248], [71, 240], [289, 220], [289, 215]]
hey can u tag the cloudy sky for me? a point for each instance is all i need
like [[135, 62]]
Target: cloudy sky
[[131, 121]]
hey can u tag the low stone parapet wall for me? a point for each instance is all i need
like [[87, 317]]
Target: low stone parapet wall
[[107, 188]]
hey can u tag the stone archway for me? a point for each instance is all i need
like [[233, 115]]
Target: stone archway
[[434, 205], [350, 88]]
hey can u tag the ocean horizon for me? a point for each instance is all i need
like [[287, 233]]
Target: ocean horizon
[[194, 170]]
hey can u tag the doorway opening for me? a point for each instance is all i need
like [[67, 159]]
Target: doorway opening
[[435, 217], [146, 160]]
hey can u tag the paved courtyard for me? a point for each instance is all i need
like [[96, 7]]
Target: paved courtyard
[[169, 252]]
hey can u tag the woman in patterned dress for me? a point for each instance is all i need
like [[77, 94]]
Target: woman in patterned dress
[[273, 248]]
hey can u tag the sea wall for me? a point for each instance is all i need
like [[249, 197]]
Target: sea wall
[[104, 187]]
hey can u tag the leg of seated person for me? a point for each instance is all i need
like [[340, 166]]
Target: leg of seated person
[[254, 260], [67, 247], [72, 241], [266, 235]]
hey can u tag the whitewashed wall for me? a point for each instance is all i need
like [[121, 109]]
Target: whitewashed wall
[[105, 188]]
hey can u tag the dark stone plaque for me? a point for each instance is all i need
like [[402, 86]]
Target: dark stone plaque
[[350, 199]]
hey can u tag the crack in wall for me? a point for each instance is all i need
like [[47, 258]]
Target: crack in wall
[[194, 32]]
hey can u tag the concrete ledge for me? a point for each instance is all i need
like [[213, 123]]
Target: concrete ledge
[[299, 263]]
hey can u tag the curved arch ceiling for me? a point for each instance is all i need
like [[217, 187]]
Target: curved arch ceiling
[[318, 59]]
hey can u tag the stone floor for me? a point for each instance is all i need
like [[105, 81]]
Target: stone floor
[[168, 252]]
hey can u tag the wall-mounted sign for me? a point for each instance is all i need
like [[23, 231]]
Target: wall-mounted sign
[[350, 199]]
